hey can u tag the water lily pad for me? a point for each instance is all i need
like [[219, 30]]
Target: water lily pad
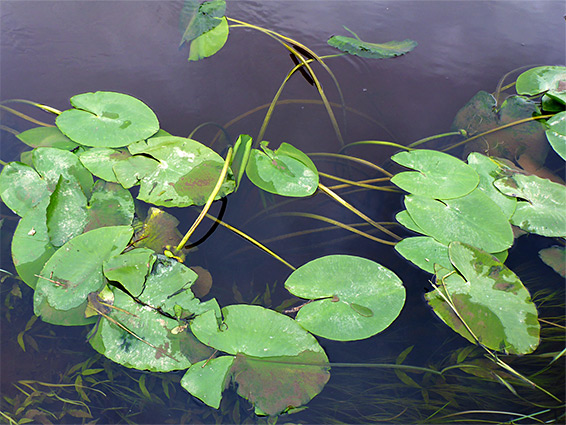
[[554, 257], [355, 46], [22, 188], [46, 137], [148, 343], [199, 17], [210, 42], [130, 269], [280, 172], [489, 170], [74, 271], [206, 380], [556, 133], [424, 252], [490, 298], [355, 297], [473, 219], [67, 214], [482, 113], [550, 79], [542, 210], [253, 331], [183, 173], [31, 247], [107, 119], [404, 218], [158, 232], [109, 205], [438, 175], [99, 161]]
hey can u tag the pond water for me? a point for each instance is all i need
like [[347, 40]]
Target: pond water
[[52, 50]]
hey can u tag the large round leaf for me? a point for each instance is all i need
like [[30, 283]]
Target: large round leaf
[[183, 173], [31, 247], [355, 297], [109, 205], [99, 161], [282, 171], [542, 212], [107, 119], [556, 133], [542, 79], [438, 175], [473, 219], [491, 300], [489, 169], [74, 271], [139, 337], [22, 188], [254, 331]]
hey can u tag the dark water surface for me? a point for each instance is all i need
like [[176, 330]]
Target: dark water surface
[[52, 50]]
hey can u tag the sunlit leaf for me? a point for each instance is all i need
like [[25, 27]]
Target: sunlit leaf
[[242, 149], [210, 42], [199, 17], [22, 188], [491, 300], [46, 137], [550, 79], [99, 161], [355, 298], [438, 175], [556, 133], [357, 47], [542, 205], [158, 231], [107, 119], [207, 381], [130, 269], [424, 252]]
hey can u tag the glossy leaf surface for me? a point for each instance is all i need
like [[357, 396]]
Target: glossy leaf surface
[[199, 17], [550, 79], [556, 133], [99, 161], [210, 42], [22, 188], [355, 298], [424, 252], [207, 382], [46, 137]]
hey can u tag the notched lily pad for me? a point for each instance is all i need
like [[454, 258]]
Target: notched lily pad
[[438, 175], [550, 79], [107, 119], [99, 161], [199, 17], [490, 298], [424, 252], [355, 298], [22, 188]]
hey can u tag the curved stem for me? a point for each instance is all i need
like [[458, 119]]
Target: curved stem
[[209, 201], [360, 214], [204, 124], [46, 108], [493, 130], [374, 142], [352, 158], [359, 184], [25, 117], [460, 132], [367, 181]]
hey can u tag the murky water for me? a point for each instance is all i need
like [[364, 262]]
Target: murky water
[[52, 50]]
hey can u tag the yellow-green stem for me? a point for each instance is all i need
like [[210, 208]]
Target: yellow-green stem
[[352, 158], [209, 201], [25, 117], [359, 184]]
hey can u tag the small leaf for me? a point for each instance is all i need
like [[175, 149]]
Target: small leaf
[[46, 137], [556, 133], [357, 47], [198, 18], [554, 257], [210, 42], [206, 380]]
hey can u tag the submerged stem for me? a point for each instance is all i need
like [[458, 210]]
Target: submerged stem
[[25, 117]]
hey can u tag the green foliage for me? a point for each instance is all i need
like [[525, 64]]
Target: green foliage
[[548, 79], [355, 46]]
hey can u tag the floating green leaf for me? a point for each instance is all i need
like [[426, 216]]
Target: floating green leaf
[[254, 331], [491, 300], [107, 119], [148, 343], [109, 205], [99, 161], [550, 79], [22, 188], [473, 219], [554, 257], [210, 42], [482, 113], [198, 18], [438, 175], [46, 137], [130, 269], [489, 170], [206, 380], [406, 220], [242, 149], [357, 47], [74, 271], [183, 173], [556, 133], [355, 297], [424, 252], [31, 247], [280, 171], [542, 210]]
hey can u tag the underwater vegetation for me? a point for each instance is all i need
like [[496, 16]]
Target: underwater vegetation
[[117, 268]]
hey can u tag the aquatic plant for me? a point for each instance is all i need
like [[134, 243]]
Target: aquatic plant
[[92, 260]]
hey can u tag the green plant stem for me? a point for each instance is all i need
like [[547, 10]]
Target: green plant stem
[[9, 129], [220, 127], [209, 201], [460, 132], [360, 214], [493, 130], [358, 184], [25, 117], [36, 104], [2, 163], [251, 240], [352, 158], [374, 142], [340, 224], [365, 182]]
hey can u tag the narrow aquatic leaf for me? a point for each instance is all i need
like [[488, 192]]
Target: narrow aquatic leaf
[[242, 149], [357, 47]]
